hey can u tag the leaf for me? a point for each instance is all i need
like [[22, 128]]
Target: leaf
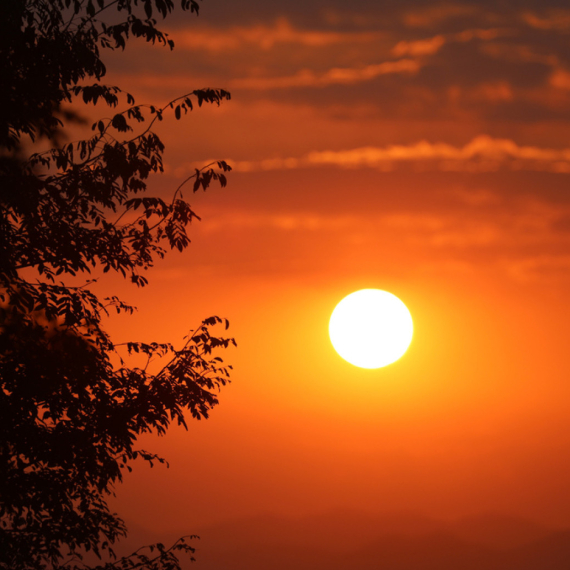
[[120, 123], [148, 8]]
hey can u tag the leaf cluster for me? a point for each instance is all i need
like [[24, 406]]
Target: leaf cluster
[[71, 403], [152, 557], [76, 214], [69, 426], [47, 47]]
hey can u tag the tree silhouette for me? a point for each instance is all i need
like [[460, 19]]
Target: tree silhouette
[[71, 406]]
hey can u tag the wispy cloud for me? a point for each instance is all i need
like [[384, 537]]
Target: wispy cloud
[[553, 20], [480, 148], [483, 153], [265, 36], [492, 92], [437, 14], [538, 267], [419, 47], [336, 75], [430, 46], [489, 228], [289, 221]]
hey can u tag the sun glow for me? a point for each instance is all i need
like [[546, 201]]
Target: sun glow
[[371, 328]]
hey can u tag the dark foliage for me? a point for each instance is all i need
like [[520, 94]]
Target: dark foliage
[[71, 407]]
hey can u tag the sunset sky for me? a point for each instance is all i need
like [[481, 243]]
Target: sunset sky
[[418, 147]]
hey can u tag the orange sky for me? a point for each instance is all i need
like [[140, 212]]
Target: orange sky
[[420, 148]]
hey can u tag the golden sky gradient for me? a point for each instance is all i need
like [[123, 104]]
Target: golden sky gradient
[[421, 148]]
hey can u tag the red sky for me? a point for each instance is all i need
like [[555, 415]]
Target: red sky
[[420, 148]]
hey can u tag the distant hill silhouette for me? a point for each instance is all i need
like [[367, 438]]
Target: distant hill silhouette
[[500, 531], [353, 540], [356, 541]]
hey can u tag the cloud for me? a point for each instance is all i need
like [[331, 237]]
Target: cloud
[[478, 34], [267, 164], [419, 47], [538, 267], [430, 46], [482, 153], [555, 20], [487, 151], [264, 37], [337, 75], [488, 226], [287, 221], [519, 53], [435, 15], [560, 78], [495, 92]]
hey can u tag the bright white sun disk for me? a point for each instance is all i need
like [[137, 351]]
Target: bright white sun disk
[[371, 328]]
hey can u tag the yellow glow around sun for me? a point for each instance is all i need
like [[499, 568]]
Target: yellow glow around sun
[[371, 328]]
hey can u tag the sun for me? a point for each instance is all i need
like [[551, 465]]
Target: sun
[[371, 328]]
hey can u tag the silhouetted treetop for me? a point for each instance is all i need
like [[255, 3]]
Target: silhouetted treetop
[[71, 404], [48, 47], [60, 202]]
